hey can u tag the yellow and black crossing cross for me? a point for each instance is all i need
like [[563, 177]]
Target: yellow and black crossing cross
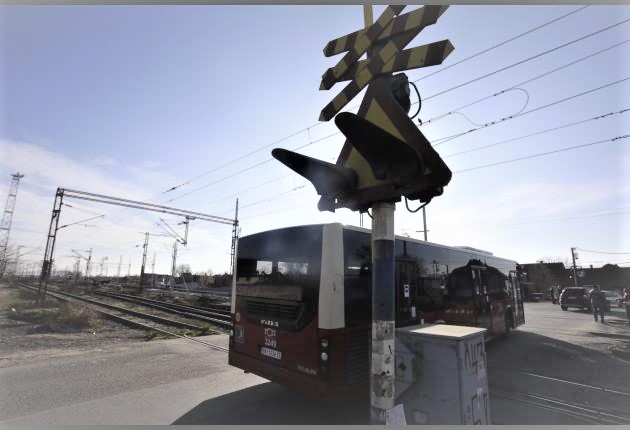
[[359, 43], [420, 56], [409, 22], [403, 30]]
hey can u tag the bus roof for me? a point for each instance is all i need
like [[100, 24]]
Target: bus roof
[[465, 249]]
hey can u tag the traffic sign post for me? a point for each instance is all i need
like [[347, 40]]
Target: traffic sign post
[[385, 157]]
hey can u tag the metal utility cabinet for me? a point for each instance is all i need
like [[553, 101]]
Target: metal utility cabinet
[[441, 374]]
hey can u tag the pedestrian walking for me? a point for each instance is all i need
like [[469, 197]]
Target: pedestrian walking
[[598, 303], [626, 302]]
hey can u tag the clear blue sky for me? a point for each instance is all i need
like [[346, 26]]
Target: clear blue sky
[[131, 101]]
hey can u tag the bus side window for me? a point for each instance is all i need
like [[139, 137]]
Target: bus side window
[[460, 286]]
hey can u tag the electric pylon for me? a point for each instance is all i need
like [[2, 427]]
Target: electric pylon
[[5, 225]]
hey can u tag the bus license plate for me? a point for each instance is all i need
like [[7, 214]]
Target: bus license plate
[[268, 352]]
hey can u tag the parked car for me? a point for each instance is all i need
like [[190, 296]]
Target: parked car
[[575, 297], [535, 297], [614, 298]]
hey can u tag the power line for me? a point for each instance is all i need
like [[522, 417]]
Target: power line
[[440, 139], [279, 210], [273, 197], [538, 133], [525, 60], [544, 153], [240, 158], [240, 192], [515, 86], [558, 219], [501, 44], [495, 222], [445, 139], [602, 252]]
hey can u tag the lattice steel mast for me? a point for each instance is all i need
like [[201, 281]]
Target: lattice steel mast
[[5, 226]]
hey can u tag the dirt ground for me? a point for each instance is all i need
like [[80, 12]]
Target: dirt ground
[[29, 331]]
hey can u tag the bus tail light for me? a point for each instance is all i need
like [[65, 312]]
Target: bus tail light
[[323, 354], [239, 334]]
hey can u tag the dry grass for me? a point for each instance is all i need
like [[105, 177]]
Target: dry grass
[[50, 316]]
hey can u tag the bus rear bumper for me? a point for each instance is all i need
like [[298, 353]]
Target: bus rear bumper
[[278, 374]]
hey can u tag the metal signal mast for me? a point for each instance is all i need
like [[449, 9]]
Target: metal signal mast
[[5, 226], [100, 198]]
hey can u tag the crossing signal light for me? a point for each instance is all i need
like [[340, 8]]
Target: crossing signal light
[[385, 156], [331, 182]]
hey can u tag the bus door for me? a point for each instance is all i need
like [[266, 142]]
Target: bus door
[[517, 296], [406, 290], [481, 299]]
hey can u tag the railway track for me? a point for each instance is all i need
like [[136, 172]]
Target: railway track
[[132, 318], [588, 413], [588, 409], [217, 315]]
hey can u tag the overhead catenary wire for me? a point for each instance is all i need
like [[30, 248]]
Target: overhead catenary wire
[[536, 155], [516, 86], [501, 44], [531, 220], [526, 60], [614, 139], [603, 252], [445, 139], [561, 214], [307, 129], [608, 115], [434, 140]]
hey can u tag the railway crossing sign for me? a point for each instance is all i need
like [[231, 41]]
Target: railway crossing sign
[[400, 32], [385, 155]]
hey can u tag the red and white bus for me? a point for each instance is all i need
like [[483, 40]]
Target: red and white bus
[[301, 301]]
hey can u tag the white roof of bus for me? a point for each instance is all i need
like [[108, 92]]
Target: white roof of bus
[[467, 250]]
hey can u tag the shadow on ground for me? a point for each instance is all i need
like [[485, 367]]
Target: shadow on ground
[[270, 403], [512, 361]]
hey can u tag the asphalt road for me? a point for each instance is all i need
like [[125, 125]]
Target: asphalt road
[[559, 368]]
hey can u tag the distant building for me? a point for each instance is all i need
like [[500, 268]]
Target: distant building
[[539, 277], [609, 277]]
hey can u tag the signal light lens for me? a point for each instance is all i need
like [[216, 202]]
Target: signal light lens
[[324, 356], [324, 343]]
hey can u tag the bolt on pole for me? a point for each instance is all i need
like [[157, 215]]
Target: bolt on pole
[[383, 313]]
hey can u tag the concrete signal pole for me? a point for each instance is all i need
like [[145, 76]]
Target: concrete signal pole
[[382, 363]]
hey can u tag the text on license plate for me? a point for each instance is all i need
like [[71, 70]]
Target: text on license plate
[[268, 352]]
